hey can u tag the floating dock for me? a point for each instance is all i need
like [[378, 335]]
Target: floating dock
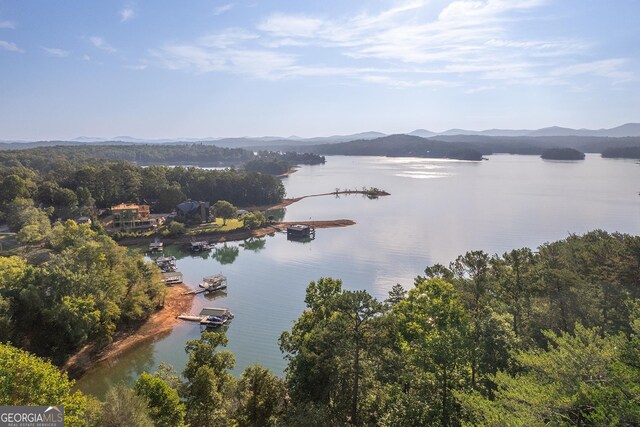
[[171, 278], [200, 245], [166, 264], [156, 246], [210, 317], [301, 232], [210, 284]]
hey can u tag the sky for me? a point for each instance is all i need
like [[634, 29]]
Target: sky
[[210, 68]]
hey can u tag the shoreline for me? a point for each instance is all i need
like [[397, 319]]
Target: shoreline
[[266, 230], [241, 234], [159, 323]]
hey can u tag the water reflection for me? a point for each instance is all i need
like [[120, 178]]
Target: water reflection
[[276, 214], [225, 254], [254, 244]]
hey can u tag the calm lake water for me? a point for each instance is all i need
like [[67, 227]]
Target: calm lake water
[[437, 210]]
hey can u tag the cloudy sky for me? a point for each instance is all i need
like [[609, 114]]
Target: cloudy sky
[[202, 68]]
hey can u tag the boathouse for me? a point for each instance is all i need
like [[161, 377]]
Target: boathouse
[[301, 231]]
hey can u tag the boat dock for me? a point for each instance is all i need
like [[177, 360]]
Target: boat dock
[[210, 284], [210, 317], [156, 246], [301, 232], [200, 245], [166, 264], [171, 278]]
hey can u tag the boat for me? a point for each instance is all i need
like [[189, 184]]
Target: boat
[[214, 317], [190, 317], [166, 264], [200, 246], [156, 246], [214, 283], [171, 278], [210, 317]]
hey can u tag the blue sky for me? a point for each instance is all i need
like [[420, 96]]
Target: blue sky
[[201, 68]]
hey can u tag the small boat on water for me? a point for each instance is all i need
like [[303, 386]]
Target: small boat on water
[[171, 278], [200, 246], [214, 283], [210, 317], [166, 264], [156, 246]]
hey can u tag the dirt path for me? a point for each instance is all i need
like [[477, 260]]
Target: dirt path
[[159, 323]]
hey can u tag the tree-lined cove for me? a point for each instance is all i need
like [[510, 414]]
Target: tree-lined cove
[[470, 337]]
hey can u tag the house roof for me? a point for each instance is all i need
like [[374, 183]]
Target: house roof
[[190, 206]]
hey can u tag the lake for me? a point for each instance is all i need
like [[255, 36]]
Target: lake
[[437, 210]]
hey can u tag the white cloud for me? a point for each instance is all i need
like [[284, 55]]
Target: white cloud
[[55, 52], [222, 9], [86, 57], [203, 59], [604, 68], [415, 43], [10, 46], [100, 43], [126, 14], [291, 26], [7, 25]]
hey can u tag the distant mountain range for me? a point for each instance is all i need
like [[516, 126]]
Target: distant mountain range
[[266, 142]]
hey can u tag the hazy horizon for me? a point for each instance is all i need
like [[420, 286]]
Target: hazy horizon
[[239, 68]]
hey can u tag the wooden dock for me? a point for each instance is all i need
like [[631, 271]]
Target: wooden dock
[[171, 278]]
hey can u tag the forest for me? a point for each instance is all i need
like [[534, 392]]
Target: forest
[[61, 188], [526, 338], [149, 154]]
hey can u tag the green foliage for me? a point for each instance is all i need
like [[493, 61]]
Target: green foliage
[[28, 380], [165, 408], [209, 385], [254, 220], [333, 355], [581, 379], [83, 292], [434, 332], [31, 223], [123, 407], [176, 228], [261, 398], [224, 210]]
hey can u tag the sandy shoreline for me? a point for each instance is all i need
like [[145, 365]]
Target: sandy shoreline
[[159, 323]]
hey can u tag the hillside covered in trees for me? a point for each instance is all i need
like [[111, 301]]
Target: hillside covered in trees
[[60, 186], [446, 146], [526, 338]]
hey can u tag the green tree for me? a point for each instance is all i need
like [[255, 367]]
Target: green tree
[[169, 197], [333, 355], [123, 407], [209, 385], [254, 220], [13, 187], [261, 398], [434, 330], [176, 228], [581, 379], [514, 273], [224, 210], [165, 408], [29, 380]]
